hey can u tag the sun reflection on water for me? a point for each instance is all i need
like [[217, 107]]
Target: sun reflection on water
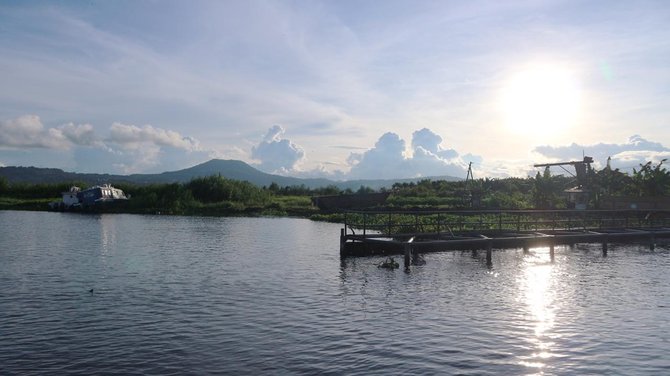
[[536, 292]]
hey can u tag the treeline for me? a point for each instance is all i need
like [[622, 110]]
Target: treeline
[[212, 195], [544, 191], [208, 195], [217, 195], [303, 190]]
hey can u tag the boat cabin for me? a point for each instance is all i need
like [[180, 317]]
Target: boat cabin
[[99, 194]]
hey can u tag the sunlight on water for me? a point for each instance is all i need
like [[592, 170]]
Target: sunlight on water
[[536, 286], [108, 233]]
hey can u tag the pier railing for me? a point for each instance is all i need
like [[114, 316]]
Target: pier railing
[[414, 232], [407, 223]]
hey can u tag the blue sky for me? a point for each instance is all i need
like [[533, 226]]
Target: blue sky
[[342, 89]]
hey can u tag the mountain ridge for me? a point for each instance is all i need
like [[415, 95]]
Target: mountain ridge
[[228, 168]]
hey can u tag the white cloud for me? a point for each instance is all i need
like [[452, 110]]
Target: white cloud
[[628, 160], [28, 132], [625, 155], [82, 134], [431, 142], [275, 153], [128, 149], [387, 159], [151, 149], [132, 137]]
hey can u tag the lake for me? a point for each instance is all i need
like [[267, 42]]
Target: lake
[[131, 294]]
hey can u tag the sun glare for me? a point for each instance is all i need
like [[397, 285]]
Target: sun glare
[[540, 101]]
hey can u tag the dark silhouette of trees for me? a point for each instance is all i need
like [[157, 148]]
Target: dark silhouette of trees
[[218, 195], [651, 180]]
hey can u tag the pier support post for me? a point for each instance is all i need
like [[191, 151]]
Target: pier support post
[[652, 242], [408, 252], [342, 241], [551, 252], [526, 250], [489, 251], [605, 247]]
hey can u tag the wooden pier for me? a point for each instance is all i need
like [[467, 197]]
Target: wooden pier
[[413, 232]]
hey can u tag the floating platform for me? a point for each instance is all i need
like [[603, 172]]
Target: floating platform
[[411, 232]]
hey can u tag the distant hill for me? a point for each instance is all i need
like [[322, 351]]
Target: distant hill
[[231, 169]]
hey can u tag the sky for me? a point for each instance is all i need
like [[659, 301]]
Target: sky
[[337, 89]]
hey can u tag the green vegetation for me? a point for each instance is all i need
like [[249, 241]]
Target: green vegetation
[[219, 196]]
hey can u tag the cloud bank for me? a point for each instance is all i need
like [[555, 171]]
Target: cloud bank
[[625, 156], [133, 137], [388, 159], [28, 132], [127, 148]]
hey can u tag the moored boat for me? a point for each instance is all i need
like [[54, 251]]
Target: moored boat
[[91, 198]]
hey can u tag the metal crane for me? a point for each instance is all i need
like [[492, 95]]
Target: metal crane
[[581, 169], [577, 197]]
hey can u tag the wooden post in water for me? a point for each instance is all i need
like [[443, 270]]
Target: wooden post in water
[[342, 241], [408, 251], [605, 247], [489, 251], [652, 242], [526, 250], [551, 251]]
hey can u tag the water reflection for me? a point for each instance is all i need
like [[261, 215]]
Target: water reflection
[[536, 286], [108, 233]]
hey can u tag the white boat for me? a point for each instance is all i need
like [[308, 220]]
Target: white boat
[[96, 196]]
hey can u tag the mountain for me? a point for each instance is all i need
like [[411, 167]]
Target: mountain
[[231, 169]]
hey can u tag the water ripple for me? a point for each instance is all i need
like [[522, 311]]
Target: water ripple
[[185, 295]]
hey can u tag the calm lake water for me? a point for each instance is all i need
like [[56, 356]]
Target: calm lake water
[[190, 295]]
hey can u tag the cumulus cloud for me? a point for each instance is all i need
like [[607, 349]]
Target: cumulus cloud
[[128, 149], [430, 159], [79, 134], [28, 132], [626, 155], [385, 160], [277, 154], [431, 142], [388, 160], [134, 137], [151, 149]]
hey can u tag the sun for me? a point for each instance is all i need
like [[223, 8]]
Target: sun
[[540, 101]]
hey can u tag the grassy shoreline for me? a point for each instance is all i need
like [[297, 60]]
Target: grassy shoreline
[[282, 207]]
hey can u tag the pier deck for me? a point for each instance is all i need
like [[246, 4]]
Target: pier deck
[[411, 232]]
